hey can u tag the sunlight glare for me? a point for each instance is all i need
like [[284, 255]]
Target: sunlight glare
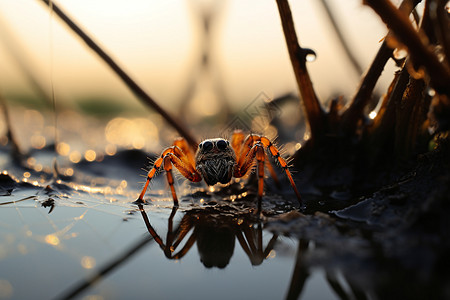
[[110, 149], [38, 141], [68, 172], [272, 254], [87, 262], [372, 114], [52, 239], [6, 289], [63, 149], [90, 155], [75, 157], [130, 133]]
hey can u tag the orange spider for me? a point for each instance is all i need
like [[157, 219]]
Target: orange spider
[[216, 160]]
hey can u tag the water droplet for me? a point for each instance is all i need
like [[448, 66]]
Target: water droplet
[[439, 51], [400, 53], [309, 54], [310, 58]]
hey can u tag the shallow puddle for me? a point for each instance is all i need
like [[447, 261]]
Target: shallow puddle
[[100, 245], [81, 235]]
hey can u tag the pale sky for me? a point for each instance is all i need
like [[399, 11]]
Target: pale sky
[[157, 41]]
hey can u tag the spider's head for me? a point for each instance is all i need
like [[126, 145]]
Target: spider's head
[[215, 160]]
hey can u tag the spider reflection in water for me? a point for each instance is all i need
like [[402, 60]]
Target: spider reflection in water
[[215, 231], [218, 161]]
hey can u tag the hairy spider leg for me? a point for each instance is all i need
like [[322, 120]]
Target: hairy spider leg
[[178, 236], [252, 243], [172, 156], [150, 229], [237, 142], [245, 163], [248, 153], [260, 159], [184, 146], [168, 169], [273, 174], [276, 153]]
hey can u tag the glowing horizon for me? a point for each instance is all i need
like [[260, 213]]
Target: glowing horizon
[[158, 44]]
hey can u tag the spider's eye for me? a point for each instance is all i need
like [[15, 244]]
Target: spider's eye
[[221, 145], [206, 146]]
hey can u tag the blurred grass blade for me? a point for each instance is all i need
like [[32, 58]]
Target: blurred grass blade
[[418, 47], [131, 83], [298, 55]]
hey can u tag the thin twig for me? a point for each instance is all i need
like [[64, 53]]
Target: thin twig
[[350, 55], [355, 111], [16, 151], [419, 49], [20, 56], [132, 85], [356, 108], [297, 55], [443, 27], [103, 271]]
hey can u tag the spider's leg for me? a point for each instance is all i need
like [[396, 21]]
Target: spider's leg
[[189, 243], [180, 161], [251, 241], [170, 180], [172, 155], [245, 162], [237, 140], [276, 153], [177, 236], [182, 231], [242, 146], [150, 175], [150, 228], [187, 150], [245, 149], [169, 247], [260, 159], [270, 245], [273, 174], [244, 243], [248, 152]]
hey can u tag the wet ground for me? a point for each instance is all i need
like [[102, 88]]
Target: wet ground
[[76, 232]]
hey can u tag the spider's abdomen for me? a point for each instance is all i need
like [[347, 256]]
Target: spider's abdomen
[[217, 170]]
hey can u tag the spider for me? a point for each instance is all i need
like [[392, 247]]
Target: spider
[[218, 160], [215, 235]]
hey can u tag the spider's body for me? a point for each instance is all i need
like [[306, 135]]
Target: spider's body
[[215, 161], [218, 161]]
